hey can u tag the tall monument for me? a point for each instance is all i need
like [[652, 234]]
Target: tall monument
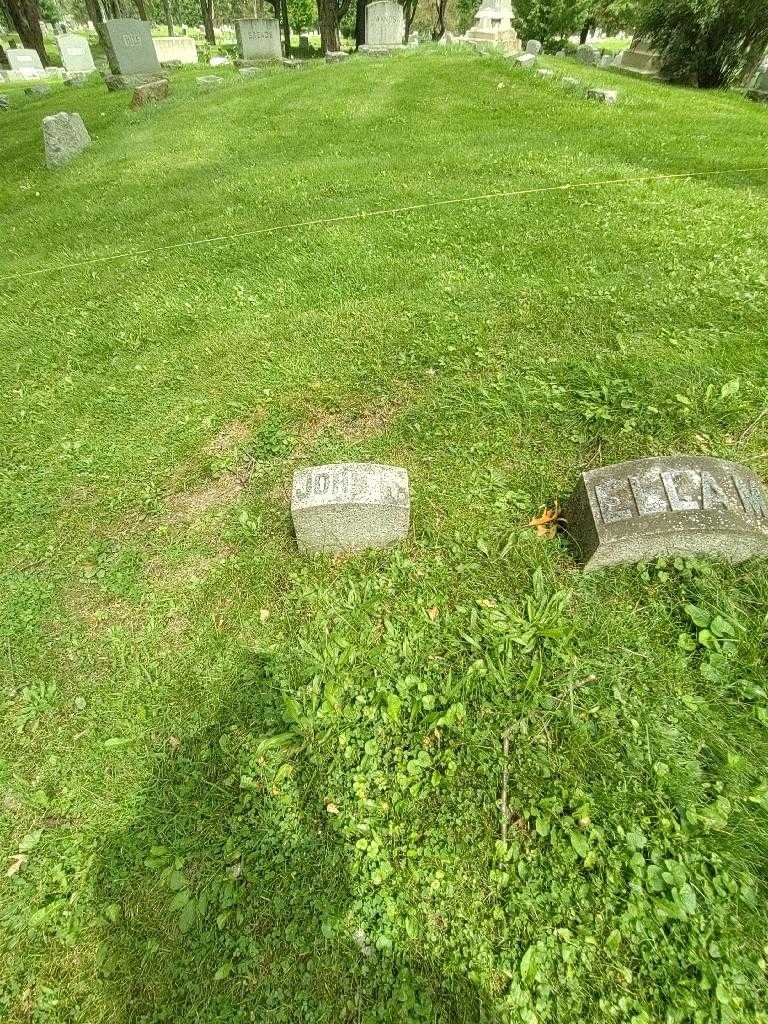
[[493, 25]]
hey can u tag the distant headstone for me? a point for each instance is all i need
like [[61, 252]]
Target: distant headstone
[[384, 23], [758, 87], [533, 46], [526, 60], [129, 46], [585, 54], [176, 48], [603, 95], [606, 60], [75, 80], [561, 54], [218, 62], [76, 54], [336, 56], [545, 73], [150, 92], [494, 25], [291, 62], [350, 506], [682, 505], [258, 38], [37, 90], [26, 64], [250, 72], [304, 45], [209, 81], [64, 136], [640, 59]]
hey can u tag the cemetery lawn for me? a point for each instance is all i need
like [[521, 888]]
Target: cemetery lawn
[[238, 784]]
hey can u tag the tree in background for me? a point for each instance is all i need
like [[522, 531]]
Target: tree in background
[[438, 26], [329, 15], [550, 20], [24, 15], [711, 42], [206, 8], [611, 15]]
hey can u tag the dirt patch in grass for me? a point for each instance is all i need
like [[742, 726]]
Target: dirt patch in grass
[[230, 436], [196, 501], [351, 425]]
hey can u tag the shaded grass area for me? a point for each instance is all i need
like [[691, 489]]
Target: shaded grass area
[[250, 786]]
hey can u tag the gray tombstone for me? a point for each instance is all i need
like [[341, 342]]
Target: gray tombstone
[[533, 46], [545, 73], [304, 45], [586, 54], [606, 61], [129, 47], [64, 136], [681, 505], [350, 506], [76, 54], [336, 56], [384, 23], [24, 64], [525, 60], [258, 38]]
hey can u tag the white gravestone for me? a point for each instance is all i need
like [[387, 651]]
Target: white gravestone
[[76, 54], [384, 23], [24, 64], [350, 506], [180, 48], [258, 38]]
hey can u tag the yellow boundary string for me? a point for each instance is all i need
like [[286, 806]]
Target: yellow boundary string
[[213, 239]]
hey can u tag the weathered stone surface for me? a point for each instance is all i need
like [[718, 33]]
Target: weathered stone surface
[[493, 24], [170, 49], [545, 73], [129, 46], [606, 61], [384, 23], [209, 81], [250, 72], [640, 59], [258, 38], [4, 102], [603, 95], [75, 53], [305, 47], [64, 136], [37, 90], [336, 56], [75, 80], [533, 46], [526, 60], [350, 506], [291, 62], [560, 54], [586, 54], [681, 505], [151, 92], [115, 83], [219, 62]]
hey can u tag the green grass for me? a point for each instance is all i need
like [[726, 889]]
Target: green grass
[[187, 702]]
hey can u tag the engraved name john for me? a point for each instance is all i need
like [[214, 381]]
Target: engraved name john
[[680, 490], [352, 484]]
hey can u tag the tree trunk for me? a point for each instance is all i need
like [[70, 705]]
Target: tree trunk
[[142, 9], [286, 26], [585, 31], [360, 6], [409, 13], [439, 28], [206, 6], [168, 16], [25, 16], [3, 58], [328, 18], [93, 7]]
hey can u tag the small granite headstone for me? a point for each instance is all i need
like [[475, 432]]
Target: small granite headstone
[[384, 23], [209, 81], [336, 56], [304, 45], [603, 95], [258, 38], [37, 90], [291, 62], [218, 62], [26, 62], [560, 54], [606, 61], [129, 47], [681, 505], [585, 54], [76, 54], [150, 92], [526, 60], [350, 506], [545, 73], [533, 46], [64, 136]]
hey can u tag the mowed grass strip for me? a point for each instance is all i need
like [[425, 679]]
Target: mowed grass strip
[[243, 785]]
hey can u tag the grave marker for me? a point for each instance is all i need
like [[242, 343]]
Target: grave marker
[[681, 505], [533, 46], [258, 38], [384, 23], [129, 46], [64, 136], [350, 506], [24, 64], [586, 54], [176, 48], [75, 53]]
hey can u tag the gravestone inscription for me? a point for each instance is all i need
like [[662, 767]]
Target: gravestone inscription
[[350, 506], [258, 38], [75, 53], [129, 46], [681, 505], [176, 48], [24, 64]]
